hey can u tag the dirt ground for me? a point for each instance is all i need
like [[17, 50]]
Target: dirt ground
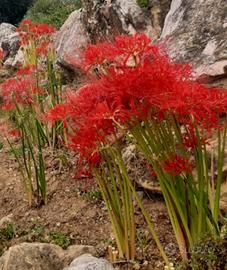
[[77, 212]]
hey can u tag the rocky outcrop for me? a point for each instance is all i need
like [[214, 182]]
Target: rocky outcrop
[[10, 43], [159, 10], [71, 39], [88, 262], [9, 39], [15, 61], [116, 17], [40, 256], [197, 31], [99, 20]]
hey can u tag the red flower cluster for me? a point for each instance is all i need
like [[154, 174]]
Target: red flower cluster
[[18, 90], [27, 70], [136, 81], [8, 131], [176, 165], [40, 34], [124, 51]]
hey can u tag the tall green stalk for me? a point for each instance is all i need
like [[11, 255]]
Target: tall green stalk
[[188, 195]]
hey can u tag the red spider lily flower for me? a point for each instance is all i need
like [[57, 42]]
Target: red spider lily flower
[[42, 29], [43, 47], [123, 51], [7, 106], [176, 165], [99, 54], [94, 159], [18, 90], [15, 133], [27, 70], [59, 112], [91, 120], [151, 170], [154, 87], [138, 47], [87, 148], [83, 172], [26, 22], [24, 38], [38, 33], [191, 141], [23, 31], [7, 131]]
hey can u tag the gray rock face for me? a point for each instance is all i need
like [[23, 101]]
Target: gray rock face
[[197, 31], [100, 19], [40, 256], [88, 262], [71, 39], [9, 39], [115, 17], [159, 10]]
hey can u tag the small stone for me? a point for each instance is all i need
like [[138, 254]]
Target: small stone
[[88, 262], [140, 194], [75, 251]]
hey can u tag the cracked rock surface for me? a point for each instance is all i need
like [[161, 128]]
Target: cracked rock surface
[[197, 32]]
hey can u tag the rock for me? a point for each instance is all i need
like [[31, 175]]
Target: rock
[[71, 39], [9, 39], [9, 62], [32, 256], [88, 262], [196, 32], [108, 18], [40, 256], [15, 61], [104, 19], [115, 17], [75, 251], [138, 169], [18, 60]]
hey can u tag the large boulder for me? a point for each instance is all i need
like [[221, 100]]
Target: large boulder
[[100, 19], [196, 32], [71, 39], [28, 256], [40, 256], [9, 39]]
